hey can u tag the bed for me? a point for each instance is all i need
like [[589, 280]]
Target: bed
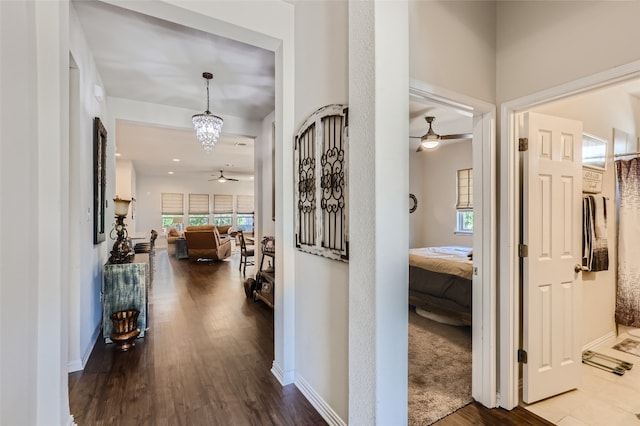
[[440, 280]]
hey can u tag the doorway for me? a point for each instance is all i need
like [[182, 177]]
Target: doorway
[[484, 240], [602, 103]]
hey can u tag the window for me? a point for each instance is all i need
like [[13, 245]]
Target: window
[[245, 211], [222, 209], [172, 209], [198, 219], [198, 209], [464, 204], [245, 222], [223, 219]]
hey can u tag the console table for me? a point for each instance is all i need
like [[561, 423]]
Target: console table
[[125, 286]]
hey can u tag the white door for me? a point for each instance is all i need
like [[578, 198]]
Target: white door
[[552, 287]]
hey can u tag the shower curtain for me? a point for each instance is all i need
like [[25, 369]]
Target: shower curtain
[[628, 288]]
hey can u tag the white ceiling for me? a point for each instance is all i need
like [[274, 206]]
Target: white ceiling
[[150, 60], [146, 59]]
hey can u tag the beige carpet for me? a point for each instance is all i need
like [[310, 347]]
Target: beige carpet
[[439, 369]]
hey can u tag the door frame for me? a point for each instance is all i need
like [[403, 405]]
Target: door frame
[[484, 300], [510, 275]]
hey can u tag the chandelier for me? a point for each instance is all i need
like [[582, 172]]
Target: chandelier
[[207, 125]]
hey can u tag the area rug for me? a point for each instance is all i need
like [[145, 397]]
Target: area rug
[[630, 346], [439, 369]]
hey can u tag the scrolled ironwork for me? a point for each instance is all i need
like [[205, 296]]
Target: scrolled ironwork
[[321, 183]]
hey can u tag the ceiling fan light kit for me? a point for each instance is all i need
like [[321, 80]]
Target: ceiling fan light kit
[[431, 139], [207, 125], [223, 179]]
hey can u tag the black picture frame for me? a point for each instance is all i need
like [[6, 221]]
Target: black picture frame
[[99, 179]]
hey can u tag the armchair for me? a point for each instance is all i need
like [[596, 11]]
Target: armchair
[[204, 242]]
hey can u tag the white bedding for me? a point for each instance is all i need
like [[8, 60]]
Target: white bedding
[[453, 260]]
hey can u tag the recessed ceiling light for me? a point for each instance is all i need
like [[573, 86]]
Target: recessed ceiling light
[[176, 160], [251, 177], [118, 154], [170, 173]]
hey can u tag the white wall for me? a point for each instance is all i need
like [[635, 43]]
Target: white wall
[[125, 179], [18, 137], [86, 259], [417, 223], [437, 201], [34, 174], [600, 112], [452, 45], [321, 297], [126, 189], [263, 159], [560, 47]]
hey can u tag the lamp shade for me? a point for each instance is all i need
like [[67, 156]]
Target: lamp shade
[[430, 144], [121, 207]]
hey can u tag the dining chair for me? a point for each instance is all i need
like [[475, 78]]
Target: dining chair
[[245, 253]]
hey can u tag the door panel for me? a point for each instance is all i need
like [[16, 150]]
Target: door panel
[[552, 231]]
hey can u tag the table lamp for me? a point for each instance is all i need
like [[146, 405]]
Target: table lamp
[[121, 251]]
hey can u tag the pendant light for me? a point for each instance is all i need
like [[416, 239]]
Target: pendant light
[[207, 125]]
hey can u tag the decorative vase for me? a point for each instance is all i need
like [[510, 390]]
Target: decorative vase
[[125, 328]]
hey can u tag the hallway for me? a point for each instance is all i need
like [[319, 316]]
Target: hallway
[[205, 360]]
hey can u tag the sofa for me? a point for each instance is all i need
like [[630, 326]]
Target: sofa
[[205, 242], [227, 230], [172, 235]]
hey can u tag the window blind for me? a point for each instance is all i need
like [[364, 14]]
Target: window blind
[[172, 203], [465, 189], [245, 204], [222, 203], [198, 203]]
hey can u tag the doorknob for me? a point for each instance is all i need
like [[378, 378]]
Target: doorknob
[[577, 268]]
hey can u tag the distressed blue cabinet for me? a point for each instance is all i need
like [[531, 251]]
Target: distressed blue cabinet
[[125, 286]]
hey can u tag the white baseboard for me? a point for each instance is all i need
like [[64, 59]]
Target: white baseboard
[[278, 372], [325, 410], [599, 341], [79, 364]]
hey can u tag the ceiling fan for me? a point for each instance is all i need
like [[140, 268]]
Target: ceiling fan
[[223, 179], [431, 139]]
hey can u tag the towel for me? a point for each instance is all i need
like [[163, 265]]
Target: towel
[[595, 256], [588, 234]]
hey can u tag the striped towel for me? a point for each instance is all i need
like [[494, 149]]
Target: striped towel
[[595, 255]]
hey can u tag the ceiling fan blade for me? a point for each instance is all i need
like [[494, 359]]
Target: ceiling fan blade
[[458, 136], [232, 179], [415, 137]]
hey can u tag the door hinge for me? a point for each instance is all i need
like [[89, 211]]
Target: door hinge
[[522, 356], [523, 144], [523, 250]]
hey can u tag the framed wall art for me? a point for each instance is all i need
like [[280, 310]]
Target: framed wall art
[[99, 179], [321, 183]]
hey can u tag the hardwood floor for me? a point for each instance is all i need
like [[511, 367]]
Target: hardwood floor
[[206, 360], [476, 414]]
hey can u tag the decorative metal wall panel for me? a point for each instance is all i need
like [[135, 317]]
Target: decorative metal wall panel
[[321, 158]]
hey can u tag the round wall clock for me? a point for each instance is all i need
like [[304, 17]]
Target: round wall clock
[[413, 203]]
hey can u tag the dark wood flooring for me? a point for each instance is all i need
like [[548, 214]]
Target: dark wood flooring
[[206, 360]]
